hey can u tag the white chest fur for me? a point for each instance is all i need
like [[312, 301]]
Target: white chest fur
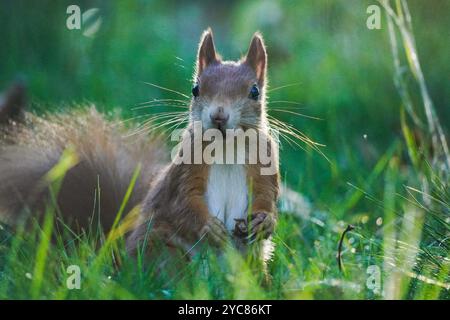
[[226, 193]]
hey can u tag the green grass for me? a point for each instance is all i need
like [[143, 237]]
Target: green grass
[[402, 238], [381, 176]]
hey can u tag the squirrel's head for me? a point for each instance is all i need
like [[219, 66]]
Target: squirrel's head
[[229, 94]]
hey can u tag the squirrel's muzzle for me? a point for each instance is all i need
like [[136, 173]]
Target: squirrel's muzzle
[[219, 116]]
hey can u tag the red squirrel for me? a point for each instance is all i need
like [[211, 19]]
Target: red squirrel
[[184, 203]]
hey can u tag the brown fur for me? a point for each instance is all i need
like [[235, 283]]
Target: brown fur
[[177, 201], [107, 161], [172, 197]]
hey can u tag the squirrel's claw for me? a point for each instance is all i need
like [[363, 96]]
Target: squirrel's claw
[[261, 225], [215, 232]]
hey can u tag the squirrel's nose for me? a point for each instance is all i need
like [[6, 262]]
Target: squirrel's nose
[[219, 116]]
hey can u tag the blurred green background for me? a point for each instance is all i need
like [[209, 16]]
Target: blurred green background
[[340, 71]]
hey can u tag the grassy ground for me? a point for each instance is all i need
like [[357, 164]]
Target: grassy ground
[[397, 255], [386, 174]]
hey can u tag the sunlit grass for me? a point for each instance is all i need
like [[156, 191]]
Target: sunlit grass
[[304, 265]]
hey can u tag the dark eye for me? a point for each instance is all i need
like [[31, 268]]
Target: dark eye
[[195, 91], [254, 93]]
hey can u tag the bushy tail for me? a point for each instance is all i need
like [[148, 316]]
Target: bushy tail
[[92, 190]]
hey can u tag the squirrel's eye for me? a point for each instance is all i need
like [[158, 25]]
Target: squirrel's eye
[[195, 91], [254, 93]]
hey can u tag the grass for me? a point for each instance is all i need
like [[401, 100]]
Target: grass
[[403, 250], [398, 200], [403, 253]]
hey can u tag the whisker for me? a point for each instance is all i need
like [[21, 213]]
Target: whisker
[[291, 141], [164, 114], [294, 132], [158, 117], [171, 124], [165, 123], [285, 134], [164, 100], [281, 132], [285, 101], [167, 89], [131, 119], [285, 86], [159, 105], [148, 124], [154, 122], [175, 125], [146, 116], [296, 113]]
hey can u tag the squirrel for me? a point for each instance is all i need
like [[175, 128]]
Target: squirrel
[[184, 203]]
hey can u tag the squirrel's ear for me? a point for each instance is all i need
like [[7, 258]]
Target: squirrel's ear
[[257, 57], [206, 51]]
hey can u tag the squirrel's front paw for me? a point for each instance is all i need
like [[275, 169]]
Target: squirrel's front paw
[[215, 232], [260, 225]]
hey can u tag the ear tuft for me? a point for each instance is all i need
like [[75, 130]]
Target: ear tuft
[[257, 57], [206, 51]]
